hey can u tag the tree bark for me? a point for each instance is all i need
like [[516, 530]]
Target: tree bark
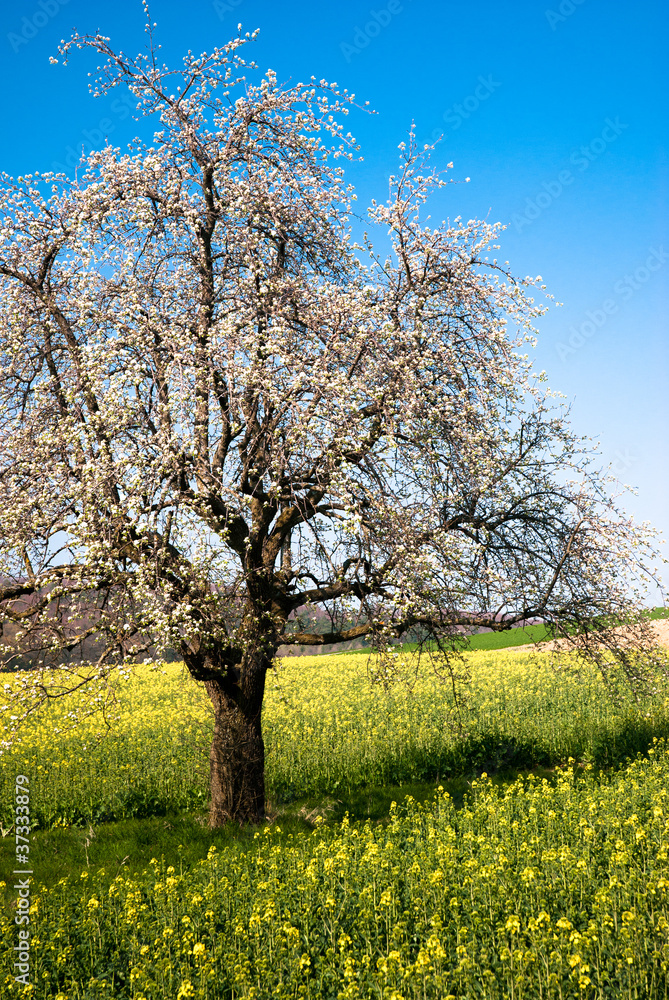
[[237, 756]]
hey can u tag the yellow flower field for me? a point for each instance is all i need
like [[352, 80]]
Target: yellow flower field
[[327, 730], [533, 890], [540, 890]]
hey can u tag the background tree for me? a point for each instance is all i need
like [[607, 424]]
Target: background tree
[[219, 412]]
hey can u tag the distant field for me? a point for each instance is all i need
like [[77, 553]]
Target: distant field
[[532, 633], [514, 637]]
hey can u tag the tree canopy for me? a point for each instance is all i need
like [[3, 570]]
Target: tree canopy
[[220, 411]]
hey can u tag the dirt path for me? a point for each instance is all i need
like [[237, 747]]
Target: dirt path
[[661, 629]]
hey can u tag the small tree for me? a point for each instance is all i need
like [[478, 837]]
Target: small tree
[[219, 412]]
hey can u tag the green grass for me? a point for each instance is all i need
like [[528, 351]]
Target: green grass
[[486, 640], [509, 637], [512, 637], [183, 839], [530, 634]]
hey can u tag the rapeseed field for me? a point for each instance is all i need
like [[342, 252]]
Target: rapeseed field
[[553, 885], [539, 890], [327, 731]]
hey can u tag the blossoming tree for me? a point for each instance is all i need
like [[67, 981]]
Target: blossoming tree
[[219, 413]]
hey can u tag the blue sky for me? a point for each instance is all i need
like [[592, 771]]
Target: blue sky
[[556, 110]]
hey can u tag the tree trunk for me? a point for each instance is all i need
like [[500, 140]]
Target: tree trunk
[[237, 756]]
